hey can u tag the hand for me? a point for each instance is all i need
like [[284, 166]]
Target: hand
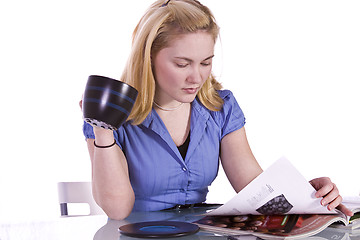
[[81, 101], [330, 194]]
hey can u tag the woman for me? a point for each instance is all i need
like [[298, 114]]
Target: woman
[[168, 151]]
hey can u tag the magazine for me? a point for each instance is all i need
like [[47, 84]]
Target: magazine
[[279, 204], [352, 203], [328, 233], [280, 189], [292, 226]]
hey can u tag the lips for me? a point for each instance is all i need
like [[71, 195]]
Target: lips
[[190, 90]]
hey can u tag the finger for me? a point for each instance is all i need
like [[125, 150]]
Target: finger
[[326, 189], [314, 183], [334, 203], [331, 196], [318, 183], [81, 101], [345, 210]]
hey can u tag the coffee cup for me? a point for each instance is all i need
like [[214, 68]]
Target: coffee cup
[[107, 102]]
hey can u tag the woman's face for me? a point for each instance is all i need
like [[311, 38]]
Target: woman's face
[[182, 68]]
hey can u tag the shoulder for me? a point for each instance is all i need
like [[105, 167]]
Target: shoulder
[[231, 116], [230, 104], [225, 94]]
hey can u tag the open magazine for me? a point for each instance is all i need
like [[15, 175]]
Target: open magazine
[[279, 203], [352, 203]]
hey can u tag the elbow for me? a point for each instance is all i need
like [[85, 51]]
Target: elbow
[[117, 215], [118, 209]]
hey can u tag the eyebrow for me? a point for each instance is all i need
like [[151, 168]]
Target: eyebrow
[[189, 60]]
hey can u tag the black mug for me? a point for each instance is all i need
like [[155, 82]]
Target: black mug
[[107, 102]]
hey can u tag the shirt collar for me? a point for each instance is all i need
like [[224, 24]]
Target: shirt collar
[[196, 105], [201, 110]]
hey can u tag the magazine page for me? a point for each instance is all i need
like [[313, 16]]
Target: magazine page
[[353, 203], [352, 199], [292, 226], [281, 189]]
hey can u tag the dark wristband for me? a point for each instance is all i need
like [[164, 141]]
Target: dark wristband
[[105, 146]]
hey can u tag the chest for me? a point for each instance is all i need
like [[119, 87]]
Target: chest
[[178, 125], [155, 161], [158, 163]]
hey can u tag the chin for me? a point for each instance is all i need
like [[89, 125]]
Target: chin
[[187, 99]]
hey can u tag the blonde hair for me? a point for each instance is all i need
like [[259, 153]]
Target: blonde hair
[[160, 25]]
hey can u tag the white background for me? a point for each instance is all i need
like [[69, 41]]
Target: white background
[[292, 65]]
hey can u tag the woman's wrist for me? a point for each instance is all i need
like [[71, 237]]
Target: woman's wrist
[[103, 137], [105, 146]]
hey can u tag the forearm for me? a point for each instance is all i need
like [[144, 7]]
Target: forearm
[[238, 161], [111, 185]]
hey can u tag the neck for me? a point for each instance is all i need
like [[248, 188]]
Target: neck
[[167, 108]]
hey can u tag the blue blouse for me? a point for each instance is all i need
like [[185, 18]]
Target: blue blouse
[[160, 177]]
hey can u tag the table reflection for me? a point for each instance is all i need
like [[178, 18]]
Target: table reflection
[[100, 227], [111, 229]]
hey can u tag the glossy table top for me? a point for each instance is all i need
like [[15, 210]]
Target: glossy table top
[[99, 227]]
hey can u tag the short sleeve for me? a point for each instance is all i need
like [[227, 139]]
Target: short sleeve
[[88, 130], [231, 116], [89, 133]]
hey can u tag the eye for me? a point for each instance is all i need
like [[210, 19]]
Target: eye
[[206, 64], [182, 65]]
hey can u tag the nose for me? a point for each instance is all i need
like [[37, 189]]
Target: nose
[[195, 75]]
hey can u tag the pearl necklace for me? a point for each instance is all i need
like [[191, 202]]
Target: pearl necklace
[[168, 109]]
